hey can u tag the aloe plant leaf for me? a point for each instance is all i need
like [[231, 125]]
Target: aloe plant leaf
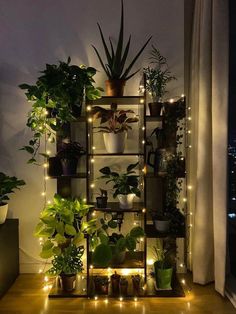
[[119, 47], [124, 76], [100, 59], [112, 50], [126, 51], [109, 60], [131, 75]]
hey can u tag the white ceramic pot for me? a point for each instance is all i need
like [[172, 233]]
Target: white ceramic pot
[[115, 143], [126, 201], [3, 213], [162, 225]]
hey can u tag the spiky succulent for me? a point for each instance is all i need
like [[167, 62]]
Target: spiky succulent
[[116, 59]]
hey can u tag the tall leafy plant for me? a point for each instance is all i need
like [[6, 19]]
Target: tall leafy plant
[[7, 186], [114, 66]]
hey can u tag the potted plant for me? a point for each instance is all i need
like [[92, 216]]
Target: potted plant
[[69, 155], [125, 184], [63, 226], [101, 285], [161, 222], [115, 283], [67, 264], [114, 66], [157, 77], [56, 98], [114, 124], [163, 253], [123, 286], [102, 199], [7, 186], [136, 280], [111, 249]]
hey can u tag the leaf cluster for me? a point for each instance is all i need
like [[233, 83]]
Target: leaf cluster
[[7, 186], [70, 150], [116, 121], [124, 183], [164, 252], [114, 66]]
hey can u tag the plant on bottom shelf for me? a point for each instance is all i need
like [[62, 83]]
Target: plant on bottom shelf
[[101, 284], [63, 227], [57, 99], [164, 254], [157, 78], [114, 124], [7, 186], [114, 66], [126, 185], [112, 248]]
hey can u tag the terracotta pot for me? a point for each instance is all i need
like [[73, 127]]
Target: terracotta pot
[[155, 108], [3, 213], [68, 282], [115, 142], [115, 88]]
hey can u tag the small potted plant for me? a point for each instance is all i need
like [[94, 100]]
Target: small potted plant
[[115, 283], [56, 98], [67, 264], [161, 222], [7, 186], [114, 66], [101, 285], [125, 184], [163, 253], [69, 155], [123, 286], [102, 199], [114, 124], [136, 280], [157, 77]]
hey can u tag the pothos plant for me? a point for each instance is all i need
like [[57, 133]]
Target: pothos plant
[[105, 245], [124, 183], [57, 92], [113, 120], [62, 225]]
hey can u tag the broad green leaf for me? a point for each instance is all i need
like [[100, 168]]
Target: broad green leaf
[[70, 230], [60, 228], [46, 254]]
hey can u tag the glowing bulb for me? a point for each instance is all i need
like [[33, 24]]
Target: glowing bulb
[[93, 147], [141, 101], [88, 108], [84, 200], [93, 213], [90, 120], [40, 271], [45, 165], [40, 128], [91, 266], [135, 299], [43, 193], [106, 300], [144, 210], [46, 178], [171, 100], [92, 185], [189, 118], [48, 152], [182, 95], [189, 146], [189, 108], [143, 142], [190, 187], [183, 281], [191, 213], [150, 261], [185, 199], [92, 160], [190, 225], [121, 299], [96, 297], [141, 239], [46, 278], [143, 128], [49, 202], [109, 269], [189, 132]]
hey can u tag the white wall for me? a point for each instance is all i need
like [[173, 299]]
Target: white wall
[[33, 33]]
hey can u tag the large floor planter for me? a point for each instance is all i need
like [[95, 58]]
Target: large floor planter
[[3, 213], [126, 201], [115, 88], [115, 142], [163, 276], [68, 282]]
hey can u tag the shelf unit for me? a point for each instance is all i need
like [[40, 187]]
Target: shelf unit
[[64, 187]]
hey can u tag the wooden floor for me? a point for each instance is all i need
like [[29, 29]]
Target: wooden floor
[[27, 296]]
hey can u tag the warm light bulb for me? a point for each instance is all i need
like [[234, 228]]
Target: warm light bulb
[[89, 108], [45, 165], [121, 299], [185, 199], [189, 132], [93, 147], [190, 187], [91, 266], [95, 298], [92, 160], [48, 152], [49, 202], [84, 200], [90, 120], [106, 300], [183, 281], [143, 128], [46, 278], [189, 118], [171, 100], [182, 95], [144, 210], [141, 101], [46, 177], [150, 261], [143, 142], [92, 185], [40, 271], [43, 193], [135, 299]]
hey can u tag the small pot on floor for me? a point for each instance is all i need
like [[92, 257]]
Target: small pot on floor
[[3, 212], [69, 166], [68, 282]]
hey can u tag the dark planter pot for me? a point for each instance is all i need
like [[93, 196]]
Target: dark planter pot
[[163, 276], [101, 202], [69, 166], [115, 284], [115, 88], [76, 110], [162, 225], [68, 282], [54, 167], [101, 288], [136, 286], [155, 108], [124, 289]]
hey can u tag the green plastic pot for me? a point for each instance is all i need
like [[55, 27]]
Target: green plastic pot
[[163, 276]]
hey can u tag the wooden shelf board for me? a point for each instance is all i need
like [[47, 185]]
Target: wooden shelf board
[[114, 207], [151, 232]]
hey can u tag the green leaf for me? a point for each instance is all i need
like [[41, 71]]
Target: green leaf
[[60, 239], [130, 243], [70, 230], [132, 166], [56, 250], [79, 237], [46, 232], [39, 227], [103, 238], [60, 228], [47, 245], [137, 232], [121, 244], [105, 170], [46, 254], [112, 224], [50, 221], [102, 255]]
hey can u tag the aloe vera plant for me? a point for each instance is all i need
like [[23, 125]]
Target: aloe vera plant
[[116, 59]]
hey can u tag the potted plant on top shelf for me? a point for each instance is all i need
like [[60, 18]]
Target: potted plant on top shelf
[[126, 184], [117, 123], [69, 155], [114, 66], [63, 226], [57, 98], [7, 186], [157, 77]]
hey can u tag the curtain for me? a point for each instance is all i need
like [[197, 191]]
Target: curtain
[[208, 98]]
